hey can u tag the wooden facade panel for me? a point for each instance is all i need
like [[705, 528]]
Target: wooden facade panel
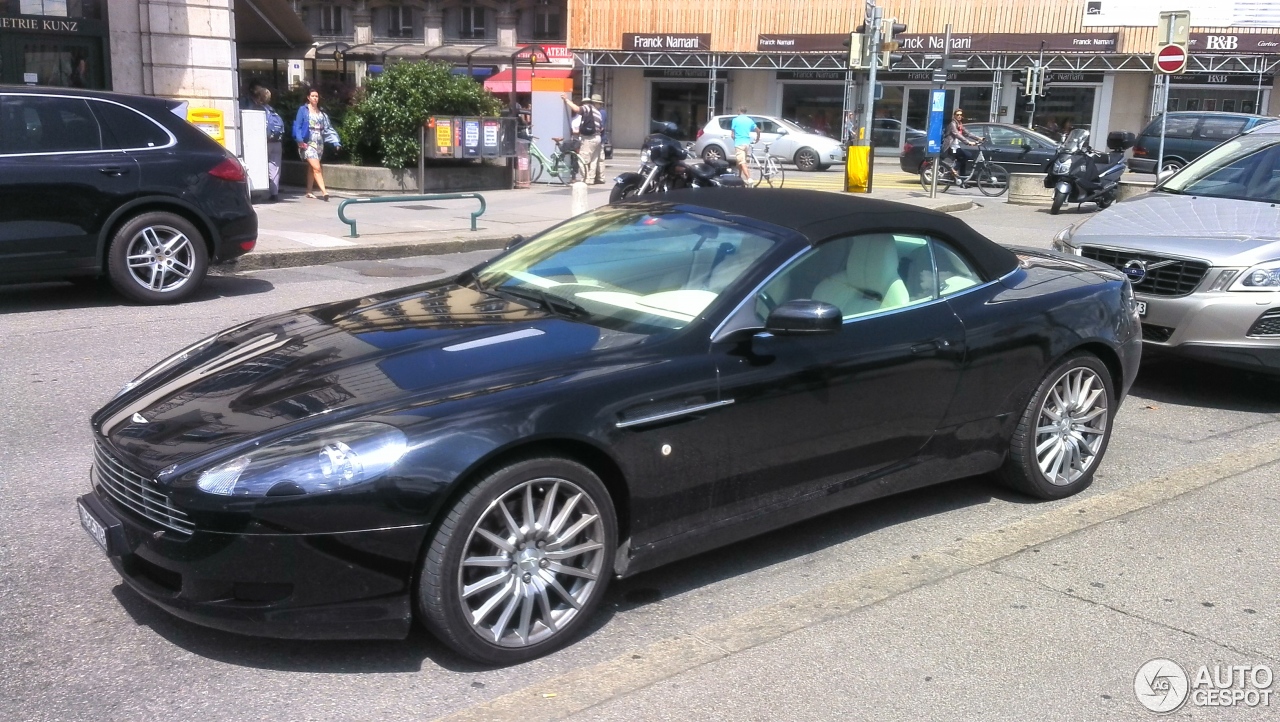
[[735, 25]]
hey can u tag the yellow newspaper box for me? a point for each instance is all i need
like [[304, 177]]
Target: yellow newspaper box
[[210, 121]]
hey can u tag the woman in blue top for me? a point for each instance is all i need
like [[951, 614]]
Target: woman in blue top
[[312, 129]]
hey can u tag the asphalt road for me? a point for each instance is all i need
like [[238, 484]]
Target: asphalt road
[[941, 637]]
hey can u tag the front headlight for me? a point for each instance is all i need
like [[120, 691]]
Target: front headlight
[[321, 460], [644, 156], [1262, 277]]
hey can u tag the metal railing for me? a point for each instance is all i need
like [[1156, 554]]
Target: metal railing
[[401, 199]]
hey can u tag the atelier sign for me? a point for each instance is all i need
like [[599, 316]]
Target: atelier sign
[[666, 42]]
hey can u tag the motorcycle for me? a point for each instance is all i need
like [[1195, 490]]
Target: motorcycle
[[1080, 174], [667, 164]]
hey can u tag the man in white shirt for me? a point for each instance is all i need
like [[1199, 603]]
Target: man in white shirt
[[588, 125]]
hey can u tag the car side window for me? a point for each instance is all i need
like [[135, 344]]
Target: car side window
[[37, 124], [953, 273], [1005, 138], [765, 125], [860, 275], [1217, 129], [130, 129], [1178, 126]]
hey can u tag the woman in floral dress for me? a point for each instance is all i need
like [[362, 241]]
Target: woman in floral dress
[[312, 129]]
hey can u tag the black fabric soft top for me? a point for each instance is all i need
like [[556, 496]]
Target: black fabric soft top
[[820, 216]]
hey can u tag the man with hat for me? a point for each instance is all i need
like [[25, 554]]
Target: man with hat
[[588, 125]]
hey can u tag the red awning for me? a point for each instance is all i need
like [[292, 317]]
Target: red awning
[[501, 82]]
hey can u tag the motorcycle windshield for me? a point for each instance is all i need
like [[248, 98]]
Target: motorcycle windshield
[[1075, 140]]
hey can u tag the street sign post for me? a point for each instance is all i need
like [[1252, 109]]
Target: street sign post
[[1171, 59]]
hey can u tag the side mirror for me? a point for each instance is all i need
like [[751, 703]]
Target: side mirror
[[1162, 175], [515, 241], [803, 317]]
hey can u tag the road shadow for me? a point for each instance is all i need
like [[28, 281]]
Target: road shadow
[[1172, 380], [422, 650], [89, 293]]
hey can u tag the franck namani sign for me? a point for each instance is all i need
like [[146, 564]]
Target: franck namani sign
[[666, 42], [960, 43]]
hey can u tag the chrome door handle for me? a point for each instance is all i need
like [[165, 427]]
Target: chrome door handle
[[113, 170]]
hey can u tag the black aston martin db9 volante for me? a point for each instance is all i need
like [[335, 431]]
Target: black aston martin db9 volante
[[635, 385]]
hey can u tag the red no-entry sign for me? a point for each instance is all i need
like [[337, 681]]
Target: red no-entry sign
[[1171, 59]]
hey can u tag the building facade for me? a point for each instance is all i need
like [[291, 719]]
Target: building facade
[[657, 61]]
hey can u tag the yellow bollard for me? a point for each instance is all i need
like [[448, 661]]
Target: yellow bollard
[[857, 169]]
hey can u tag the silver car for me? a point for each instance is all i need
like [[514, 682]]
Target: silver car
[[1203, 253], [787, 142]]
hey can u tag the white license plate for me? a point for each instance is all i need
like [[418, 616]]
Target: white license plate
[[1142, 308], [91, 525]]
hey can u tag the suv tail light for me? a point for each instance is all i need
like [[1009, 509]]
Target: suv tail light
[[698, 135], [228, 170], [1139, 151], [907, 148]]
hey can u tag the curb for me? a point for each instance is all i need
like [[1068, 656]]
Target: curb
[[377, 252]]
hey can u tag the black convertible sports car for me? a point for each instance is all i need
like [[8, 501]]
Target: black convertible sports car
[[635, 385]]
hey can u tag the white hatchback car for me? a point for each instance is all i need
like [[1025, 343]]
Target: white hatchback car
[[787, 142]]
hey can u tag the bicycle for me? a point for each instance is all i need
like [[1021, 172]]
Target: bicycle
[[992, 179], [765, 169], [563, 164]]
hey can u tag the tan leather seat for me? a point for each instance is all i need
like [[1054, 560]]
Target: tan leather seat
[[870, 280]]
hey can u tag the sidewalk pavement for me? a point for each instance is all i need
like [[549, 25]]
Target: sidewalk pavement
[[300, 231]]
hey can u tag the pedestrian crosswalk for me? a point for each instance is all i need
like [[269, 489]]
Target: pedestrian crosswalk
[[833, 180]]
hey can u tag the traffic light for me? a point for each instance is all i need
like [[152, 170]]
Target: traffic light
[[857, 55], [889, 30], [1042, 87]]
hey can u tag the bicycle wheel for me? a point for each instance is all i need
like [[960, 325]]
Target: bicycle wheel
[[535, 168], [757, 171], [774, 175], [926, 177], [993, 179], [567, 166]]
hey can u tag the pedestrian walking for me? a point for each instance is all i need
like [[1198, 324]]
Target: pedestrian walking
[[743, 126], [956, 137], [275, 139], [311, 130], [587, 124]]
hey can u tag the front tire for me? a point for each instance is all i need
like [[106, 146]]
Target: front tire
[[1058, 199], [156, 258], [623, 191], [807, 159], [1064, 431], [535, 168], [521, 561], [993, 180]]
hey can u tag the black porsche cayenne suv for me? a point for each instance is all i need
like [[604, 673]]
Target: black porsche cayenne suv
[[103, 184]]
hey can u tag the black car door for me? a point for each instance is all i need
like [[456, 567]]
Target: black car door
[[1013, 150], [59, 181], [804, 413]]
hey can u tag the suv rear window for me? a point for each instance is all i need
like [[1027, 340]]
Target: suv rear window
[[1217, 129], [131, 129]]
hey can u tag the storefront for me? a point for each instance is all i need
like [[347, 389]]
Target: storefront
[[62, 44], [1231, 93], [814, 99], [903, 99], [1071, 100], [684, 97]]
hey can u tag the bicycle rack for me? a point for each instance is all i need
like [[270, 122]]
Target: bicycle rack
[[401, 199]]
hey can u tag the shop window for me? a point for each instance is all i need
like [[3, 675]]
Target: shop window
[[684, 104], [1061, 110], [471, 22], [399, 21], [546, 21], [817, 107], [87, 9]]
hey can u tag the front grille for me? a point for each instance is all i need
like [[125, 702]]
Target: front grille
[[1268, 324], [136, 492], [1159, 334], [1176, 279]]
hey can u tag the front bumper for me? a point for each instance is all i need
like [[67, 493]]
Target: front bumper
[[1214, 326], [354, 585]]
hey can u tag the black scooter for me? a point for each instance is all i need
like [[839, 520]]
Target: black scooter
[[666, 164], [1080, 174]]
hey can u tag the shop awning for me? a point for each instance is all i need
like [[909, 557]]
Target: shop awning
[[269, 29], [501, 82]]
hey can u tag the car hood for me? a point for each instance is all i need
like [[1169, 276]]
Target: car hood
[[1221, 231], [341, 360]]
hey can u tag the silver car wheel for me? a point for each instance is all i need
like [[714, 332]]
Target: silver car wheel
[[1071, 427], [531, 561], [160, 258]]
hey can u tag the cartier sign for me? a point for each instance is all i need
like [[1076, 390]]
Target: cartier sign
[[1243, 43], [47, 25], [666, 42]]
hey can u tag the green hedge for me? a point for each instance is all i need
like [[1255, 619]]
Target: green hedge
[[382, 125]]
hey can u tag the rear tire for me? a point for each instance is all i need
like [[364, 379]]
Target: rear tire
[[540, 535], [1105, 201], [1063, 433], [157, 257], [1058, 199]]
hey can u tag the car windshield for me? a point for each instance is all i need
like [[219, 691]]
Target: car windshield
[[1245, 168], [641, 270], [793, 127]]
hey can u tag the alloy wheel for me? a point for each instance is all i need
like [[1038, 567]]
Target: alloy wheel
[[531, 562], [1071, 426], [160, 258]]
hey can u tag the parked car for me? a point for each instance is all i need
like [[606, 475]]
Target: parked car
[[1187, 136], [787, 141], [1203, 254], [640, 383], [1017, 149], [95, 184]]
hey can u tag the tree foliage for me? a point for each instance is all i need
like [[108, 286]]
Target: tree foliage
[[383, 124]]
